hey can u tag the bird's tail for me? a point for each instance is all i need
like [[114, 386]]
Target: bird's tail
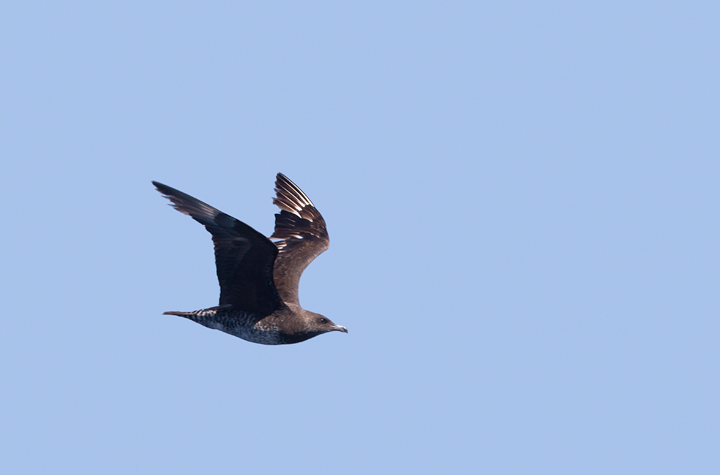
[[182, 314], [206, 312]]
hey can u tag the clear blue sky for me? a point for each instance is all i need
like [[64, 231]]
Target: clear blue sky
[[523, 202]]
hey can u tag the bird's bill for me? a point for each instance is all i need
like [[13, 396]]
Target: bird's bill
[[338, 328]]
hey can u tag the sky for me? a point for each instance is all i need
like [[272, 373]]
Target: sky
[[522, 200]]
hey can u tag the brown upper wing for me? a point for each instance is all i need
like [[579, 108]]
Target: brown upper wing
[[301, 234], [244, 258]]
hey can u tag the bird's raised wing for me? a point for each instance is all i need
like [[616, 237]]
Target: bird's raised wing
[[301, 237], [244, 257]]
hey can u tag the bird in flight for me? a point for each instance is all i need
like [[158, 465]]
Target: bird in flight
[[258, 276]]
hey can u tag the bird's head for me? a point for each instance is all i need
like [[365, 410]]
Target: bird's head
[[304, 325], [313, 324], [321, 324]]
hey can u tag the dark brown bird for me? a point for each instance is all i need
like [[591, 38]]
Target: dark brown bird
[[258, 277]]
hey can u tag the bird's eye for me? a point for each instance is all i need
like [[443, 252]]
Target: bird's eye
[[323, 320]]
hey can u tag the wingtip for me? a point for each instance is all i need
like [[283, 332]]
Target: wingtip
[[162, 188], [281, 178], [281, 181], [289, 196]]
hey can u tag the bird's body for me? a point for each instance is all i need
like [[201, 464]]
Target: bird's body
[[258, 277], [273, 329]]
